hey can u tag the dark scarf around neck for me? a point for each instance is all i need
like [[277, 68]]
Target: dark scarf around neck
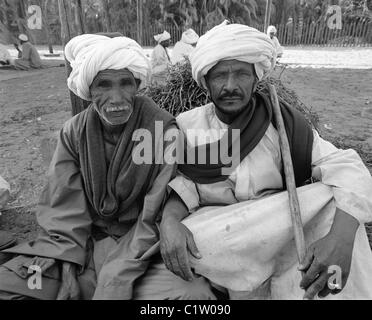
[[120, 185], [253, 123]]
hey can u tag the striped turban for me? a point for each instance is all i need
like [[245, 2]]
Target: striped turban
[[232, 42], [89, 54]]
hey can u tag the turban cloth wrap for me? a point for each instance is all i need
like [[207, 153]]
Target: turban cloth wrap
[[89, 54], [271, 29], [233, 42], [23, 37], [162, 37], [190, 37]]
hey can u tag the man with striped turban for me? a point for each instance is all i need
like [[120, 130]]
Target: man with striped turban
[[100, 210], [246, 244]]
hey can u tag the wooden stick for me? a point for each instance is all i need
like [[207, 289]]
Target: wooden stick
[[294, 205]]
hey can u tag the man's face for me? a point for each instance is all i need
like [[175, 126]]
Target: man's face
[[166, 43], [231, 84], [272, 34], [113, 93]]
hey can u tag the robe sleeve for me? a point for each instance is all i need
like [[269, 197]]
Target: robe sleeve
[[62, 212], [159, 60], [344, 171], [26, 52], [130, 259]]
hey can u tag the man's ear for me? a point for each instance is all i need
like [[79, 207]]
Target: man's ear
[[255, 85], [138, 82]]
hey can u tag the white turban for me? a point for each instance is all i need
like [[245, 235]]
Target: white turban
[[162, 37], [233, 42], [271, 29], [190, 37], [89, 54], [23, 37]]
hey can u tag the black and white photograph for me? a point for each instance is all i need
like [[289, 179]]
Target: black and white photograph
[[208, 151]]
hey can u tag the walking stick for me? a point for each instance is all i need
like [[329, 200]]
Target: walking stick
[[294, 205]]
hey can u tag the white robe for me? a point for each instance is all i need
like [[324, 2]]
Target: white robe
[[259, 174], [180, 51], [159, 65]]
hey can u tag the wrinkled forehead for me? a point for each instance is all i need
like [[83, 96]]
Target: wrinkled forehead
[[114, 74], [231, 65]]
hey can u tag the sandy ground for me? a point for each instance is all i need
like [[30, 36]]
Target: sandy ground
[[35, 104]]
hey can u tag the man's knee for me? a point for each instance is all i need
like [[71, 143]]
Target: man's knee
[[161, 284], [198, 289], [16, 282]]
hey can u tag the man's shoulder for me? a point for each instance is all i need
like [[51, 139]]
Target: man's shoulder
[[75, 125], [151, 109], [193, 117]]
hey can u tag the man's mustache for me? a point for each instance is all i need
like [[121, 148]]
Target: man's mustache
[[230, 95]]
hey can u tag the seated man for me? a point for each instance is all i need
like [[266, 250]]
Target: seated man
[[100, 209], [29, 58], [228, 61]]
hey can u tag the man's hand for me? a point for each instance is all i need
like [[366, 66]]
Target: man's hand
[[176, 241], [69, 289], [335, 249]]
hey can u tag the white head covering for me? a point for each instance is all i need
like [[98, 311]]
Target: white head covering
[[23, 37], [89, 54], [162, 37], [233, 42], [271, 29], [190, 36]]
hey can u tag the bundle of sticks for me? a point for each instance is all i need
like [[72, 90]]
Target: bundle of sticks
[[182, 93]]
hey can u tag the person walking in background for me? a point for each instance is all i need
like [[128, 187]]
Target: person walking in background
[[185, 46], [289, 30], [160, 59]]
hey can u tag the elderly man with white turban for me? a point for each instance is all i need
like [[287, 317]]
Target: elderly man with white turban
[[100, 210], [185, 46], [271, 32], [160, 59], [246, 244], [29, 58]]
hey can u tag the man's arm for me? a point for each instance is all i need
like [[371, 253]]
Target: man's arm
[[345, 172], [176, 240]]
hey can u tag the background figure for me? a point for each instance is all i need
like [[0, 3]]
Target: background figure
[[28, 56], [185, 46], [160, 59], [289, 33], [4, 55], [271, 32], [6, 239]]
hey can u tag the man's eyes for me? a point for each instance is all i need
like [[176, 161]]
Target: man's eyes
[[104, 84], [221, 76], [126, 82]]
